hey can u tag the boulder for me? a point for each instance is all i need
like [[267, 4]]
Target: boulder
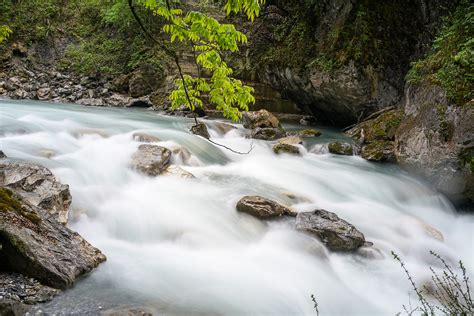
[[37, 185], [267, 133], [36, 245], [151, 159], [145, 138], [201, 130], [2, 155], [288, 145], [376, 135], [261, 119], [379, 150], [334, 232], [173, 170], [261, 207], [341, 148]]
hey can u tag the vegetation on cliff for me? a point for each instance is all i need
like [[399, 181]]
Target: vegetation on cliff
[[451, 61]]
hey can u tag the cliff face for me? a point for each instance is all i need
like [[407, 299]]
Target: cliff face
[[342, 59], [436, 140]]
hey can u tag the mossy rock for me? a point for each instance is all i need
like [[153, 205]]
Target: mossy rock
[[341, 148], [382, 127], [9, 202], [380, 151]]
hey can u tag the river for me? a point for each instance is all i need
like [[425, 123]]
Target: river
[[178, 246]]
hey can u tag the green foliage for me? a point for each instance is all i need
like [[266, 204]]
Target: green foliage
[[209, 39], [4, 33], [451, 61], [449, 294]]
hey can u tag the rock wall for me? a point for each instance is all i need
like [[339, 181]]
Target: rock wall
[[341, 59], [436, 140]]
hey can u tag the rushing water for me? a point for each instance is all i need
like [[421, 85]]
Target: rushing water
[[178, 246]]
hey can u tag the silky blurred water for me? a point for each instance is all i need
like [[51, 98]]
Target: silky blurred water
[[178, 246]]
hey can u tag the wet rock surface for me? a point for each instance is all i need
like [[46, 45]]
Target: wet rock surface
[[151, 160], [262, 207], [36, 245], [37, 185], [334, 232]]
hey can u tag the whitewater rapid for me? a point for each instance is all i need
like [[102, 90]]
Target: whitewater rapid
[[178, 246]]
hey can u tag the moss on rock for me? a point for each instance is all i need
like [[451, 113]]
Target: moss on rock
[[11, 203]]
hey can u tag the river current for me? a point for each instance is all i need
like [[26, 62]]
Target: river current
[[178, 246]]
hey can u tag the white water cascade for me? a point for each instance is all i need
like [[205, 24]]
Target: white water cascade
[[178, 246]]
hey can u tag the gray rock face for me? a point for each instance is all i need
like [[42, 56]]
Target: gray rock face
[[37, 246], [341, 148], [201, 130], [261, 119], [151, 159], [436, 140], [37, 185], [261, 207], [334, 232]]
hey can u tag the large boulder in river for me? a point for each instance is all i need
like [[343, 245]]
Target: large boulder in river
[[262, 119], [36, 245], [376, 135], [37, 185], [334, 232], [151, 159], [261, 207]]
